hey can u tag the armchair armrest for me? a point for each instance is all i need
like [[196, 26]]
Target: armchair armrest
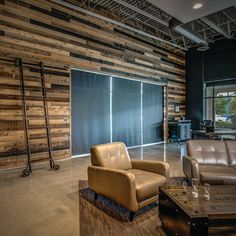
[[158, 167], [118, 185], [190, 167]]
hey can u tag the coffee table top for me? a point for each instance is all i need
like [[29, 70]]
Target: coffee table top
[[221, 204]]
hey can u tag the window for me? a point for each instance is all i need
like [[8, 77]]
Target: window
[[220, 105]]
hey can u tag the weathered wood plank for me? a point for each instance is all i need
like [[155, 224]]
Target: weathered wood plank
[[44, 31]]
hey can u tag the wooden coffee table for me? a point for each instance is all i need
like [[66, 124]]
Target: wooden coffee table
[[181, 214]]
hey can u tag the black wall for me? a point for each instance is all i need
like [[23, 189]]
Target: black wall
[[194, 87], [217, 65], [220, 61]]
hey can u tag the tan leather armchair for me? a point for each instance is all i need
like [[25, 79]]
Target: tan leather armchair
[[131, 183]]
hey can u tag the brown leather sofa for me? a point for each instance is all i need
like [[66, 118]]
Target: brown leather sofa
[[131, 183], [211, 161]]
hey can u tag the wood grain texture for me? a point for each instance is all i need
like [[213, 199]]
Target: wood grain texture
[[219, 212], [44, 31], [222, 202], [12, 148]]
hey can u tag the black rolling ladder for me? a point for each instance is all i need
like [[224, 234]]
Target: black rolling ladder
[[28, 168]]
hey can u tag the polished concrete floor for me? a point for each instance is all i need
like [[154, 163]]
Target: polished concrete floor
[[47, 203]]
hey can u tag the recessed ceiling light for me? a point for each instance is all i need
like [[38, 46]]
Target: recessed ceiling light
[[197, 5]]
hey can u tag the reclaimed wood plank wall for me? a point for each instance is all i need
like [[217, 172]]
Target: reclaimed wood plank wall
[[12, 145], [41, 31]]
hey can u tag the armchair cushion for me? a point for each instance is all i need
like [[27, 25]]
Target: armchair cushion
[[111, 155], [147, 183]]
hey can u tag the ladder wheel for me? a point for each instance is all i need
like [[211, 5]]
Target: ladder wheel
[[56, 167], [25, 173]]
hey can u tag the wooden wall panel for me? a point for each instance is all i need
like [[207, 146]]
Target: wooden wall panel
[[42, 31], [12, 141]]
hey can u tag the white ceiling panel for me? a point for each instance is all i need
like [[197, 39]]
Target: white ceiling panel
[[183, 9]]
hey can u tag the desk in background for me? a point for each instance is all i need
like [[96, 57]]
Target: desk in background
[[179, 130], [217, 134]]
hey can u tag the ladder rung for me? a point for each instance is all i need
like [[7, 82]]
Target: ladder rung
[[45, 149], [38, 137], [41, 127], [37, 116]]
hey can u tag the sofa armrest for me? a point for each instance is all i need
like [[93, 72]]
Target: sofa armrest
[[118, 185], [190, 167], [158, 167]]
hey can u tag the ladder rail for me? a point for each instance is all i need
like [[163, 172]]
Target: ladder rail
[[46, 113], [28, 168], [26, 126]]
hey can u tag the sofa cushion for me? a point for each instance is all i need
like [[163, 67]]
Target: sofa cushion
[[231, 148], [147, 183], [217, 174], [111, 155], [208, 151]]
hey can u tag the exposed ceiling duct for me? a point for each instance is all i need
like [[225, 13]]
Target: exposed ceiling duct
[[215, 20], [203, 48], [186, 31], [118, 23]]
